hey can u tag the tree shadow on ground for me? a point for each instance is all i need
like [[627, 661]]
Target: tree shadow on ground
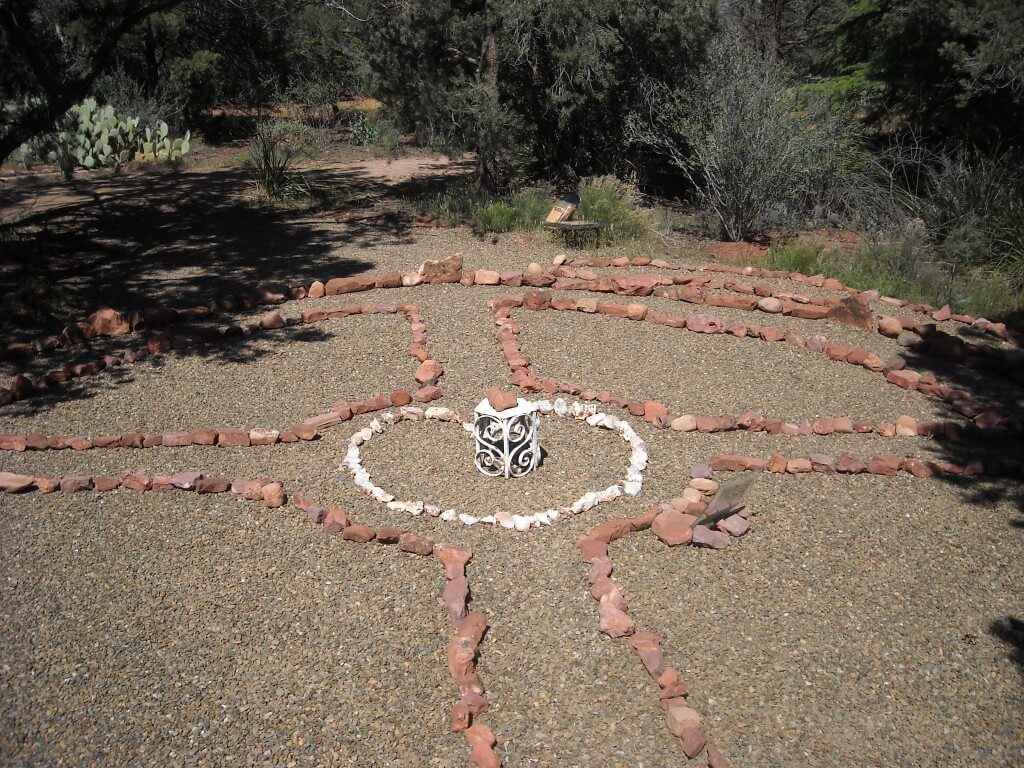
[[1010, 630], [178, 239]]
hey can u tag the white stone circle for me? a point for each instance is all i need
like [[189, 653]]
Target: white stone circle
[[630, 485]]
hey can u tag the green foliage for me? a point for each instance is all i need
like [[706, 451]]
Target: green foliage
[[374, 130], [194, 81], [524, 210], [614, 203], [794, 256], [542, 86], [93, 136], [274, 148]]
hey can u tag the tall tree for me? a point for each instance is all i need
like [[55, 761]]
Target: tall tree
[[55, 50], [546, 83]]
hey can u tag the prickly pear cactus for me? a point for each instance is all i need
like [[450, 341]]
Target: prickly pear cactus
[[92, 136]]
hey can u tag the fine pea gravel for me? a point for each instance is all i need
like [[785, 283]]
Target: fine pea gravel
[[707, 374], [189, 631], [144, 592], [271, 381]]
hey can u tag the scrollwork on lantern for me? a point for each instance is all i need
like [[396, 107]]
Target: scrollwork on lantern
[[507, 443]]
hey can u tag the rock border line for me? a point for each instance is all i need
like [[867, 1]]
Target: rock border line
[[987, 422]]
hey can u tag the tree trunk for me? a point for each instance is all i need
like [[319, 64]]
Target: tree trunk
[[487, 78]]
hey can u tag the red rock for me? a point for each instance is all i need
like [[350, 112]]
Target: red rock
[[47, 484], [377, 403], [429, 372], [636, 311], [454, 598], [21, 387], [339, 285], [273, 495], [772, 334], [481, 744], [917, 468], [703, 324], [614, 622], [904, 378], [453, 559], [715, 758], [272, 321], [447, 270], [11, 482], [729, 463], [389, 535], [734, 525], [233, 438], [591, 549], [108, 322], [653, 410], [853, 312], [177, 439], [848, 464], [500, 399], [104, 483], [906, 426], [693, 742], [459, 717], [136, 481], [317, 290], [410, 542], [335, 521], [883, 465], [611, 530], [357, 533], [673, 527], [486, 277], [400, 397], [427, 394], [798, 466], [212, 485], [746, 303], [75, 484], [889, 326], [158, 342], [680, 719], [706, 537], [199, 437], [635, 285]]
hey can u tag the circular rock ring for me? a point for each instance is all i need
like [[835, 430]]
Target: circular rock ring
[[630, 485]]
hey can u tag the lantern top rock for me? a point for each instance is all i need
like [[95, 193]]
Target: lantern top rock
[[501, 399], [521, 408]]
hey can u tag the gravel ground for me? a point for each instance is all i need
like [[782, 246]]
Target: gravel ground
[[169, 631], [693, 373], [271, 381], [850, 594]]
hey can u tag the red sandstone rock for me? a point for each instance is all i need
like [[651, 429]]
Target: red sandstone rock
[[673, 527], [358, 533], [693, 742], [706, 537], [273, 495], [734, 525], [11, 482], [904, 378], [410, 542], [427, 394], [233, 438], [614, 622], [889, 326], [75, 484], [681, 719], [340, 285], [136, 481], [212, 485], [883, 465], [500, 399], [454, 598], [611, 530], [591, 549], [715, 758], [447, 270], [481, 745], [108, 322], [429, 372], [453, 559], [335, 521]]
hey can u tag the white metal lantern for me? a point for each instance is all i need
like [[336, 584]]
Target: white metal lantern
[[507, 444]]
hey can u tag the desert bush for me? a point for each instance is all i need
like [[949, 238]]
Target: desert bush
[[758, 151], [274, 148], [373, 130], [614, 203], [129, 97], [526, 209], [194, 82]]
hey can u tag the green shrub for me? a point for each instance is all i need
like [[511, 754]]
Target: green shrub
[[794, 256], [525, 210], [614, 203], [193, 82], [373, 130], [274, 148]]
